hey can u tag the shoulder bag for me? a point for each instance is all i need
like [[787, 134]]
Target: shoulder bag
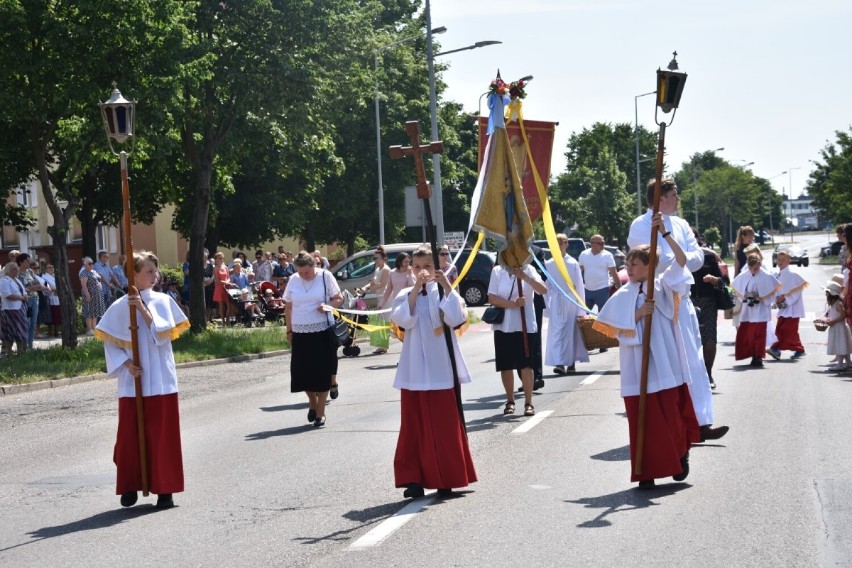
[[338, 332]]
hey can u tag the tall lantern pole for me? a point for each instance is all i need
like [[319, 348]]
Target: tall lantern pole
[[118, 114], [669, 89]]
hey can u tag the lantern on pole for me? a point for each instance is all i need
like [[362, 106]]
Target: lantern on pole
[[669, 88], [119, 114]]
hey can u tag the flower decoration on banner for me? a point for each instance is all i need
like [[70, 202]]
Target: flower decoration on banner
[[517, 90], [498, 87]]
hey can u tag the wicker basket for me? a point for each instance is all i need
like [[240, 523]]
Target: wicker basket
[[592, 338], [820, 325]]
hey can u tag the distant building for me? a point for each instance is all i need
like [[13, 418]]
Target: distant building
[[801, 213]]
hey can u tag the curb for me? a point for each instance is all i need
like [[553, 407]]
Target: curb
[[6, 390]]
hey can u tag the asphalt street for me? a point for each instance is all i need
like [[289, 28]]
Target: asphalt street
[[263, 488]]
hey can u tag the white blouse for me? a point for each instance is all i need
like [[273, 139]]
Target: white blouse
[[306, 297], [11, 286], [504, 284]]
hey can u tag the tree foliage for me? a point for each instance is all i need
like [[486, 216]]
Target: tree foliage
[[830, 183]]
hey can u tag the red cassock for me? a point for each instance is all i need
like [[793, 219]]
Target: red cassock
[[432, 449], [751, 340], [162, 436], [670, 430], [787, 332]]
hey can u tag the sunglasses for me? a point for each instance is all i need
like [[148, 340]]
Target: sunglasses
[[443, 254]]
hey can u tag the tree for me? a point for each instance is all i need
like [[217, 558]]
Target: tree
[[830, 183], [712, 236], [54, 73]]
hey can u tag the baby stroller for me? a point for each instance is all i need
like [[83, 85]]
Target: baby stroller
[[351, 302], [271, 302], [244, 315]]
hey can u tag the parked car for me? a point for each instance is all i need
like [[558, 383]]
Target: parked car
[[575, 246], [357, 270], [831, 250], [798, 255], [761, 237]]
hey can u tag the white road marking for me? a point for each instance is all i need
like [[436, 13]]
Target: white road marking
[[592, 378], [386, 528], [532, 422]]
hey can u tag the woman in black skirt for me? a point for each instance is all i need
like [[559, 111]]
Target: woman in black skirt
[[512, 351], [708, 281], [313, 350]]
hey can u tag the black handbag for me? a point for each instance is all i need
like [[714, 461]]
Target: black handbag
[[338, 332], [724, 299], [493, 315]]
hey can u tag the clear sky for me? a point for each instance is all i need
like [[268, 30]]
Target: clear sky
[[769, 81]]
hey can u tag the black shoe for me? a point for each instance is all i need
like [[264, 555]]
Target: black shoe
[[312, 415], [559, 370], [684, 463], [647, 484], [709, 433], [165, 501], [129, 499], [538, 384], [333, 393], [712, 383], [756, 362], [603, 350], [319, 422], [797, 355], [570, 369], [445, 492], [413, 491]]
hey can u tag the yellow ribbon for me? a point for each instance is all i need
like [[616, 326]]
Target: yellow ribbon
[[469, 262]]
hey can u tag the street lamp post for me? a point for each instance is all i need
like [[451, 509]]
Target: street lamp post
[[695, 192], [638, 161], [376, 53], [437, 190], [790, 199], [770, 199], [119, 115]]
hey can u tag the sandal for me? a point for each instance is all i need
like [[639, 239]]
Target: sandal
[[509, 408], [529, 410]]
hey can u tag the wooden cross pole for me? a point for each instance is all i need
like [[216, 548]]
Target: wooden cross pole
[[424, 192]]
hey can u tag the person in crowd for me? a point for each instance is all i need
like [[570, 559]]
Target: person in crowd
[[52, 300], [679, 232], [841, 236], [283, 271], [538, 304], [670, 424], [311, 292], [598, 266], [745, 239], [33, 286], [791, 308], [14, 327], [847, 289], [756, 288], [238, 278], [185, 288], [119, 276], [223, 282], [401, 277], [249, 271], [93, 296], [381, 276], [263, 267], [511, 348], [250, 305], [449, 269], [565, 345], [209, 286], [235, 254], [321, 261], [432, 448], [44, 314], [13, 254], [704, 295], [108, 282], [839, 336], [160, 320]]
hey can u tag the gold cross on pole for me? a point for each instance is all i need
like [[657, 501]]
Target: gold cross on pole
[[412, 128]]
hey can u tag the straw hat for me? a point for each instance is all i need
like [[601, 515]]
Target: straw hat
[[837, 278], [833, 288]]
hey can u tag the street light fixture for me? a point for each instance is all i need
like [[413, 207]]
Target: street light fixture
[[376, 53], [770, 200], [437, 191], [790, 199], [638, 161]]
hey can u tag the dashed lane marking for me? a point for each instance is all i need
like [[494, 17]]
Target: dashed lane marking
[[592, 378], [395, 522], [532, 422]]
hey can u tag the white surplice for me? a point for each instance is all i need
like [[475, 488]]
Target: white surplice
[[425, 360], [155, 343], [564, 340], [699, 383], [667, 367], [761, 284], [790, 279]]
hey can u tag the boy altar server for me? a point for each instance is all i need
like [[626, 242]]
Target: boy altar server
[[160, 320], [432, 449], [671, 426], [756, 288], [791, 308]]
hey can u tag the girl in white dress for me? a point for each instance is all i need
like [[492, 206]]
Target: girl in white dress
[[839, 336]]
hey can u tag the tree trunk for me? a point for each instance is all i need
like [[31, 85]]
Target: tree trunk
[[89, 226], [198, 234], [310, 238]]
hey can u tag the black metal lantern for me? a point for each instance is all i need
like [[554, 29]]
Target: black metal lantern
[[118, 114], [669, 87]]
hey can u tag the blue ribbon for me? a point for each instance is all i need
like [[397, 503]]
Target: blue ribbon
[[496, 117], [568, 297]]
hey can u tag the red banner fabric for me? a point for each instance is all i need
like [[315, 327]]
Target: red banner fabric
[[540, 134]]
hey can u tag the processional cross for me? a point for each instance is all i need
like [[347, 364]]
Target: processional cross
[[412, 128]]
